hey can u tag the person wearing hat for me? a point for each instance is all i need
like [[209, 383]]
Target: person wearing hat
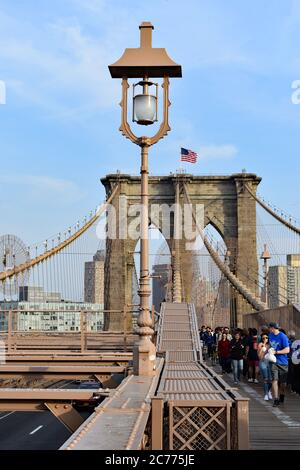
[[279, 369]]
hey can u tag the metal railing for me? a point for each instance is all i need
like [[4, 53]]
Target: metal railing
[[81, 328]]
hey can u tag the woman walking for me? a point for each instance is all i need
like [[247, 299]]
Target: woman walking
[[252, 356], [237, 353], [264, 366], [223, 353]]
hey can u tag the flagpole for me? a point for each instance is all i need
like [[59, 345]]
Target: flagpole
[[181, 164]]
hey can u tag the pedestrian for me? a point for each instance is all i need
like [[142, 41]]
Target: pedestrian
[[252, 357], [279, 369], [209, 341], [224, 353], [202, 331], [245, 337], [237, 353], [226, 330], [218, 334], [291, 366], [264, 330], [265, 366]]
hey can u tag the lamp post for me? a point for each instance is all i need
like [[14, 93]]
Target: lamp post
[[265, 256], [145, 62]]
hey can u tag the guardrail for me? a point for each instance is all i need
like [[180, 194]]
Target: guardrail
[[15, 333]]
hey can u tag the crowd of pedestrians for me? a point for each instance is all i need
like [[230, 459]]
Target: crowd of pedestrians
[[254, 356]]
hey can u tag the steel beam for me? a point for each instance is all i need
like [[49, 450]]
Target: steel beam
[[66, 414], [70, 369], [46, 394]]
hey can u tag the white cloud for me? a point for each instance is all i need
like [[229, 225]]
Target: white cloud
[[66, 73], [218, 151], [92, 6], [45, 186]]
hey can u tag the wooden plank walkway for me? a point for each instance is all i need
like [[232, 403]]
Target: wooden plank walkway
[[270, 428]]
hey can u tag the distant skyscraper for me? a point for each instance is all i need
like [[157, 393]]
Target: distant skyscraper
[[37, 294], [284, 282], [159, 284], [293, 260], [94, 279]]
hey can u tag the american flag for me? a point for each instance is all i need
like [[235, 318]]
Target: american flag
[[188, 156]]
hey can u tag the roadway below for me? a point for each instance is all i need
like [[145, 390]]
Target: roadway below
[[34, 430]]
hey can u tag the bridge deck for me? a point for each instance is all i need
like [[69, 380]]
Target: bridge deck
[[184, 378], [120, 421], [203, 411]]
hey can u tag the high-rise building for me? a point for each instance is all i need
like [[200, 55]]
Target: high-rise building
[[293, 260], [51, 316], [37, 294], [277, 286], [94, 279], [293, 284], [284, 282]]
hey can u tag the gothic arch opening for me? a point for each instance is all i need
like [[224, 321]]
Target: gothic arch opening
[[211, 293], [159, 267]]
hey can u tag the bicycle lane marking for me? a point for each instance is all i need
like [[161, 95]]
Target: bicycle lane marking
[[283, 417]]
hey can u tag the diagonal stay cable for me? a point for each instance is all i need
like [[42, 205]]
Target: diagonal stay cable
[[273, 213], [236, 283], [48, 254]]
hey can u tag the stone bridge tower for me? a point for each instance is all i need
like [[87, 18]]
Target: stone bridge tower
[[227, 206]]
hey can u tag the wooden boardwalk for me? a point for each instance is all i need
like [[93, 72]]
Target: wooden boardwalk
[[270, 428]]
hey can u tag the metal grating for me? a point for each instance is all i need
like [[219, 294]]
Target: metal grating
[[190, 386], [186, 374], [166, 344], [181, 356], [198, 427]]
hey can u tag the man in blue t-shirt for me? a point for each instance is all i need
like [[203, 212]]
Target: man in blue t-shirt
[[279, 369]]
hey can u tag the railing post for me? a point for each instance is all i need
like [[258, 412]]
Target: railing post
[[14, 329], [153, 318], [157, 416], [125, 327], [9, 332], [82, 331], [242, 417]]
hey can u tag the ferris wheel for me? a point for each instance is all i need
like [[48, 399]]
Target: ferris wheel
[[12, 253]]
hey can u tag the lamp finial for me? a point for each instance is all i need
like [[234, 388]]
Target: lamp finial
[[146, 34]]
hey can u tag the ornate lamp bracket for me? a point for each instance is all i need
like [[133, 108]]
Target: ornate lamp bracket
[[125, 128]]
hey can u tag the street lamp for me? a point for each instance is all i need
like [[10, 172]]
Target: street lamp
[[265, 256], [145, 62]]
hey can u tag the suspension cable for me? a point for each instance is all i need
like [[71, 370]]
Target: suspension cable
[[49, 253], [272, 212], [257, 304]]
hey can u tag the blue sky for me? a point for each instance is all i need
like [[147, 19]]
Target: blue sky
[[59, 127]]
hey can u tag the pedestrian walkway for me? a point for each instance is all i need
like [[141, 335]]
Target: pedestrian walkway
[[202, 412], [269, 428]]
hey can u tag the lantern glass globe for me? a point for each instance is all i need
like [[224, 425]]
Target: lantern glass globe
[[144, 109]]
